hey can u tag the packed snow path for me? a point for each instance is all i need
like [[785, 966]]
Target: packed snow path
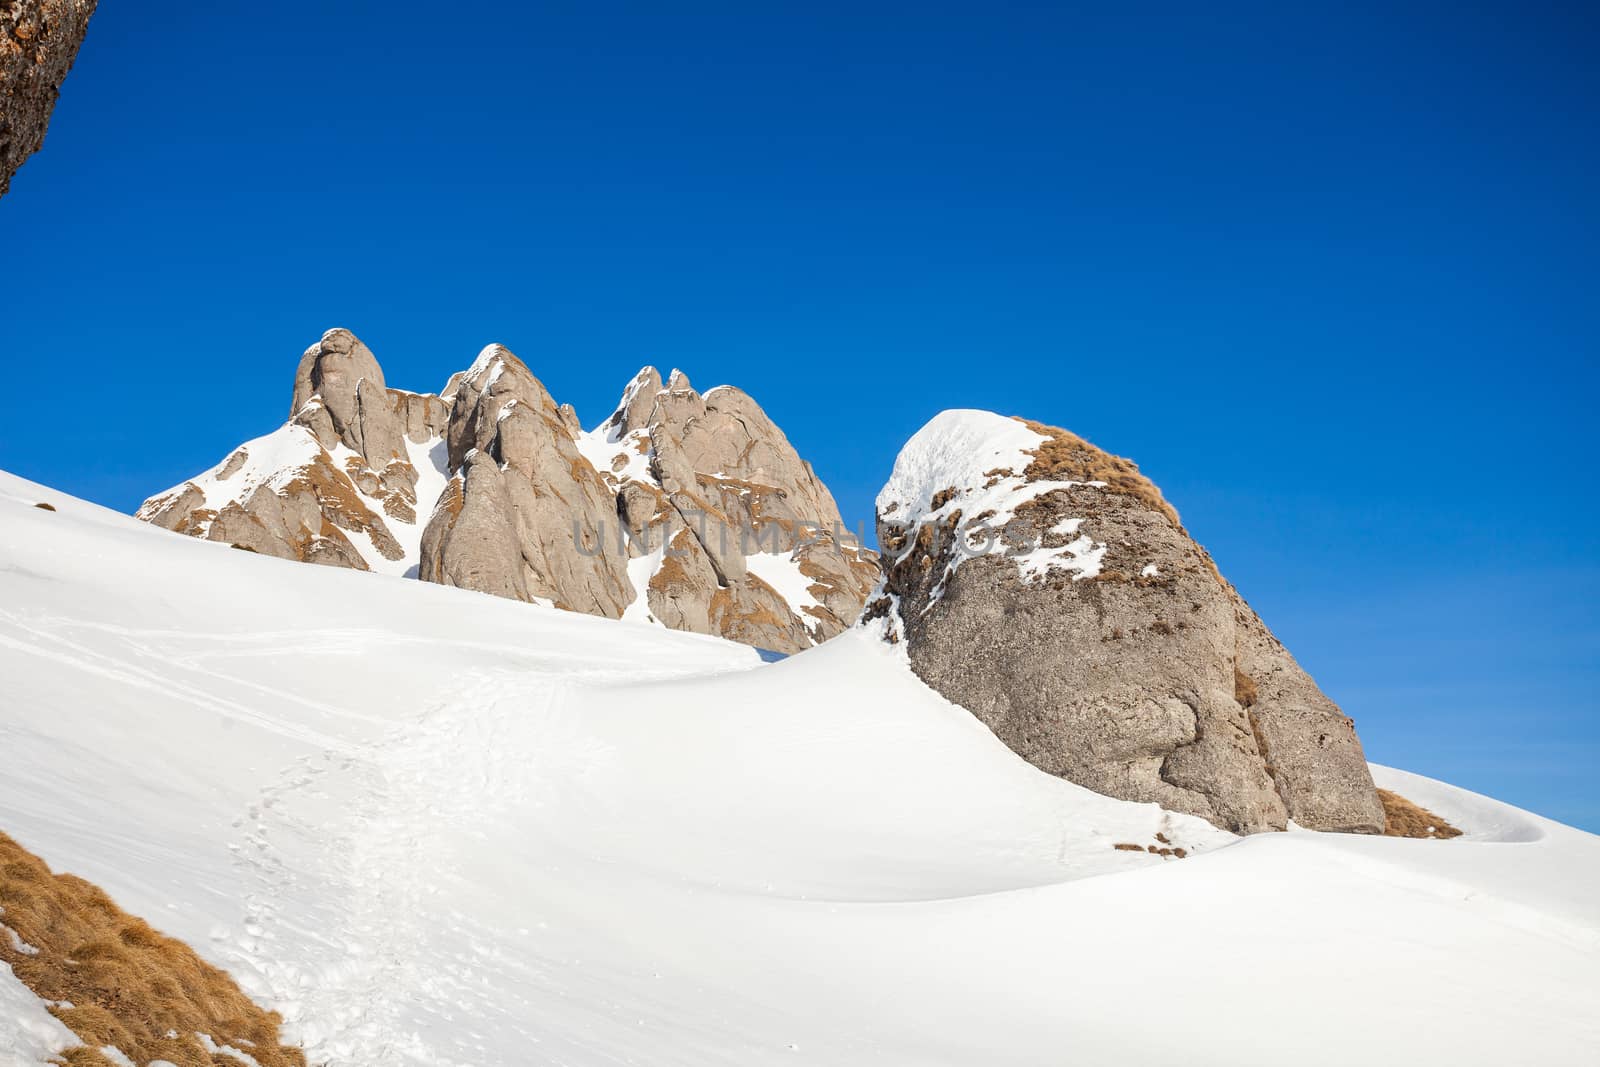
[[438, 828]]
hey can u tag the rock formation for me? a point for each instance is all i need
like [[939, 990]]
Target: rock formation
[[525, 515], [38, 41], [690, 511], [732, 531], [1047, 587], [339, 483]]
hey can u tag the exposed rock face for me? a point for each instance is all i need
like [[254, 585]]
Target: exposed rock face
[[1050, 589], [730, 530], [338, 484], [533, 515], [38, 41], [690, 511]]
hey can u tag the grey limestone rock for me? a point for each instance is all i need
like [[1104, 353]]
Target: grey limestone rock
[[1048, 587]]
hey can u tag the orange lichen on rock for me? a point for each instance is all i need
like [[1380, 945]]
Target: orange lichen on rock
[[1064, 456]]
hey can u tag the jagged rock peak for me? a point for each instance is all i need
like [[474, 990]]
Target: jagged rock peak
[[693, 512], [738, 536], [341, 483], [1048, 587], [340, 395], [526, 515], [633, 409], [333, 367]]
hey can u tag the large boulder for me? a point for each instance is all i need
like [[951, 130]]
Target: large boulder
[[1049, 588], [39, 39]]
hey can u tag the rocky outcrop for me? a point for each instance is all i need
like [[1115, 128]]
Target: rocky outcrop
[[526, 516], [732, 532], [1048, 587], [691, 511], [39, 39], [338, 484]]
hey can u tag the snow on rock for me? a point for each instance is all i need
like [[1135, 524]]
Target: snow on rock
[[351, 480], [270, 460], [640, 570], [434, 827], [1138, 684], [620, 458], [431, 458], [781, 571], [970, 463]]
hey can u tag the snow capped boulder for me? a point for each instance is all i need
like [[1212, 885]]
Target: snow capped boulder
[[1049, 588]]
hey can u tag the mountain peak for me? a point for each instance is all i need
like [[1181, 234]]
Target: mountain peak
[[493, 486]]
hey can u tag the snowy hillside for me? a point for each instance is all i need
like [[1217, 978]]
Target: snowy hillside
[[437, 827]]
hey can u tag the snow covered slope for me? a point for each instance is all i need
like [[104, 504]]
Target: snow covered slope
[[431, 826]]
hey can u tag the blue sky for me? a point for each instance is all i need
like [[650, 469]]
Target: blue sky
[[1328, 275]]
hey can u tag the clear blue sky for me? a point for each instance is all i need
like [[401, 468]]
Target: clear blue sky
[[1329, 276]]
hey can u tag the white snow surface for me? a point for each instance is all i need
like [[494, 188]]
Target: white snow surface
[[603, 445], [271, 459], [955, 449], [781, 571], [435, 827], [29, 1034], [640, 570]]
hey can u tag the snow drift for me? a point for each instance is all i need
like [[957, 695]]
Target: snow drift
[[431, 826]]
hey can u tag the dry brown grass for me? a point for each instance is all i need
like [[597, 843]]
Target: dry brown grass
[[1261, 747], [1402, 818], [129, 985], [1244, 688], [1064, 456], [671, 574], [1156, 850], [196, 522], [341, 505]]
